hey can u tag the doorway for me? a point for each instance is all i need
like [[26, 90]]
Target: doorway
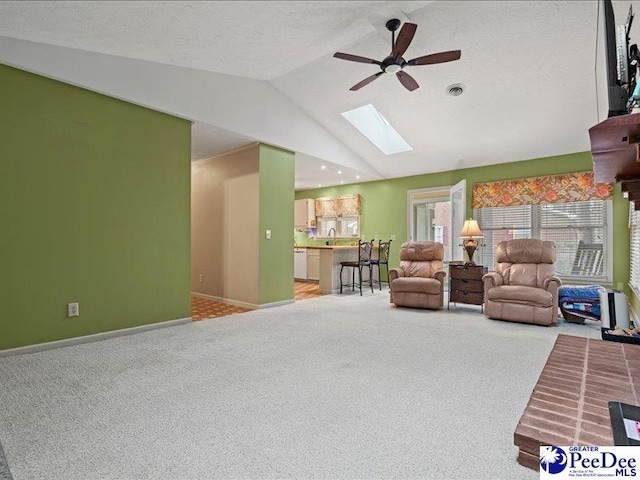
[[437, 214]]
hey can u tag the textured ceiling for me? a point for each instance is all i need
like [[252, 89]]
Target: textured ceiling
[[529, 68], [261, 40]]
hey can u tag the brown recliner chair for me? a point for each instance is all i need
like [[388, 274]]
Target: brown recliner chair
[[419, 281], [524, 288]]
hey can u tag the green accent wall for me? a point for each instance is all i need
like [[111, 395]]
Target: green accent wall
[[277, 188], [94, 208], [384, 202]]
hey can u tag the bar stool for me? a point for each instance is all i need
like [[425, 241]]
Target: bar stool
[[364, 260], [383, 259]]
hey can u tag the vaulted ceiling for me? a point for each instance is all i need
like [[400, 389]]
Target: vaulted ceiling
[[264, 71]]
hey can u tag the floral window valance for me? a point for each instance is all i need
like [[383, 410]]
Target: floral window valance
[[568, 187], [344, 205]]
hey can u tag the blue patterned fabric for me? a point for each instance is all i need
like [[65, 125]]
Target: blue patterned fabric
[[582, 299]]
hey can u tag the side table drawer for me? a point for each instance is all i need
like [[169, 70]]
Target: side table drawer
[[473, 272], [475, 286], [474, 298]]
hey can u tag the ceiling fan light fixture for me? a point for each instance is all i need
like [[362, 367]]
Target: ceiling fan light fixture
[[394, 62], [456, 89]]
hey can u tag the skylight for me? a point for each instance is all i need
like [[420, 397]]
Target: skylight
[[377, 129]]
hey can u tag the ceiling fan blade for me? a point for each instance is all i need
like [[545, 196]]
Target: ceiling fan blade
[[436, 58], [407, 80], [405, 36], [355, 58], [366, 81]]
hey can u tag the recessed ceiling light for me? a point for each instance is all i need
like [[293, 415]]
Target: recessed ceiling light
[[339, 172], [455, 89], [319, 184], [342, 181], [357, 177], [323, 167]]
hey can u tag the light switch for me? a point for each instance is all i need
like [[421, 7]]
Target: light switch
[[267, 234]]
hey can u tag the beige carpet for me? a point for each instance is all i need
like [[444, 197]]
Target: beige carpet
[[340, 387]]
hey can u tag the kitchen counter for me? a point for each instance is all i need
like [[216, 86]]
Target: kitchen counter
[[330, 258]]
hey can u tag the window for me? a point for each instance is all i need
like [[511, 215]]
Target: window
[[634, 217], [581, 231], [347, 226]]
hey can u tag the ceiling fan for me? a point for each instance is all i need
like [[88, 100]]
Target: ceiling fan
[[394, 63]]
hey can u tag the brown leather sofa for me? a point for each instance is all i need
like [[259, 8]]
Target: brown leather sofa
[[524, 287], [419, 280]]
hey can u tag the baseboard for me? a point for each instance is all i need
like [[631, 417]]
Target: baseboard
[[41, 347], [276, 304], [237, 303]]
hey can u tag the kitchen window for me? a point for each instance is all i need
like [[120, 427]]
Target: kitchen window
[[345, 226]]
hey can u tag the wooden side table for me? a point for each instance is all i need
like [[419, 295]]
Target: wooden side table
[[465, 284]]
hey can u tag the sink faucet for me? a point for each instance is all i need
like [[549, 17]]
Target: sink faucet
[[334, 234]]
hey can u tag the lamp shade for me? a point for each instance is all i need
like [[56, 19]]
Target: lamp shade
[[470, 229]]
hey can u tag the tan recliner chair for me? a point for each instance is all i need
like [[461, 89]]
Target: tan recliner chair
[[419, 281], [524, 288]]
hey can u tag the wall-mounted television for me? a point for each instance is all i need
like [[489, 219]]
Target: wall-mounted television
[[621, 61]]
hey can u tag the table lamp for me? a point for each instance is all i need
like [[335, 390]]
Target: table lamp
[[470, 233]]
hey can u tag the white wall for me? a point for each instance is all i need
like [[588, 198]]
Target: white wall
[[225, 226]]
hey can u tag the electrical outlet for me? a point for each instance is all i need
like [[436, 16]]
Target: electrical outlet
[[201, 278], [267, 234], [376, 237], [393, 237], [73, 309]]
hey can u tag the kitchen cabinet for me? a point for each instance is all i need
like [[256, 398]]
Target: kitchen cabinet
[[313, 264], [304, 213], [300, 263], [321, 263]]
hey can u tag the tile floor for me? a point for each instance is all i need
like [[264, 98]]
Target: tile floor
[[305, 290], [202, 308]]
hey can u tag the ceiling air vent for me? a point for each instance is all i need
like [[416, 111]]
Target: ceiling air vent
[[455, 90]]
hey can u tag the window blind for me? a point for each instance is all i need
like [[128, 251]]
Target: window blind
[[634, 280], [501, 223], [579, 230]]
